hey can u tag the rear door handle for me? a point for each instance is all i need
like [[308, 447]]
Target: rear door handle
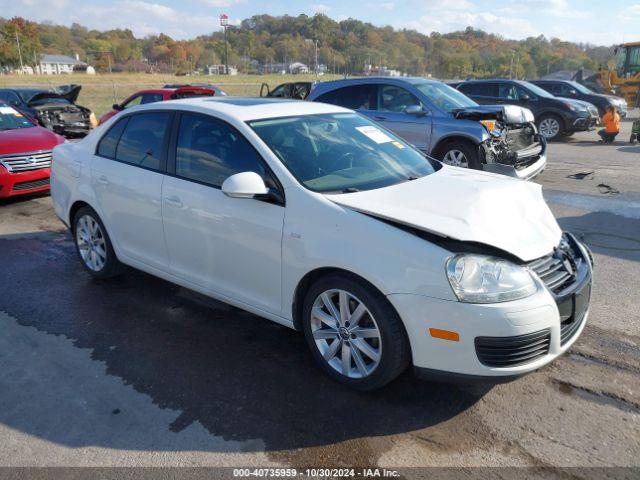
[[173, 201], [102, 179]]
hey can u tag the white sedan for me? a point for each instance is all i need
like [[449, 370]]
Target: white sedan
[[314, 217]]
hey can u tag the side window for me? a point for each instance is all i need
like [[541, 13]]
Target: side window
[[277, 92], [142, 140], [549, 87], [151, 98], [356, 97], [478, 89], [395, 99], [10, 98], [133, 102], [210, 151], [507, 91], [109, 142], [329, 97]]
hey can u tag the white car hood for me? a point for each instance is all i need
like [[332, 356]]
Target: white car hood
[[466, 205]]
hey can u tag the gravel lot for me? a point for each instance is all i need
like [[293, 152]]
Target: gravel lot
[[138, 372]]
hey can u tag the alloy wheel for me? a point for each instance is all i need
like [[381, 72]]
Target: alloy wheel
[[549, 127], [91, 243], [456, 158], [346, 334]]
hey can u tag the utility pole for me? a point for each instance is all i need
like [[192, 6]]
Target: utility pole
[[19, 52], [224, 23], [511, 64]]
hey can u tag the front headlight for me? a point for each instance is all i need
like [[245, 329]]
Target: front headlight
[[483, 279]]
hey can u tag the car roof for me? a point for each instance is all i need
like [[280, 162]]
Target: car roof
[[376, 79], [253, 108]]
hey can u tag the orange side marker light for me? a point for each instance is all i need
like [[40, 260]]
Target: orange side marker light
[[444, 334]]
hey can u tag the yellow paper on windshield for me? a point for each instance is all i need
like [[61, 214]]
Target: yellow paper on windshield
[[375, 134]]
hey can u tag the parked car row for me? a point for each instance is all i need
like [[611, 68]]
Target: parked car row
[[444, 123], [322, 220], [555, 116]]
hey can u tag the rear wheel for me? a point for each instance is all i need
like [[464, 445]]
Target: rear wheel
[[460, 154], [550, 126], [353, 332], [93, 245]]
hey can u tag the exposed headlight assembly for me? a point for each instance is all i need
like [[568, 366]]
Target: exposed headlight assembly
[[483, 279]]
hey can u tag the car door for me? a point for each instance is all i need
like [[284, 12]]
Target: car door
[[126, 176], [392, 102], [226, 245]]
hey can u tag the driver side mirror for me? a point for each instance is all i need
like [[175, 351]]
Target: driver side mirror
[[415, 110], [525, 96], [117, 107], [573, 92], [244, 185]]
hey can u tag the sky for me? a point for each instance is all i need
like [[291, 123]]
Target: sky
[[593, 21]]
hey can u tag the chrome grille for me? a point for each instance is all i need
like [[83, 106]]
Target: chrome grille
[[556, 271], [26, 161]]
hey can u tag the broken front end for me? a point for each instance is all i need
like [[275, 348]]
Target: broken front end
[[57, 111], [513, 147], [67, 120]]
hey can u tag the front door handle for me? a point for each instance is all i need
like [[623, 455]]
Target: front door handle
[[103, 180], [173, 201], [379, 117]]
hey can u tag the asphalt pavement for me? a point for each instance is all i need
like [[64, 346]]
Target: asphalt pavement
[[135, 371]]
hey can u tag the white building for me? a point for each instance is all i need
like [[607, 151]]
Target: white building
[[221, 70], [59, 64]]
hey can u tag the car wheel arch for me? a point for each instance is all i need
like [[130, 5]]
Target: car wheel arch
[[442, 144], [308, 279], [77, 205]]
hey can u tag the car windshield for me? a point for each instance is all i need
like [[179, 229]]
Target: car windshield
[[445, 97], [11, 119], [341, 152], [579, 87], [536, 90]]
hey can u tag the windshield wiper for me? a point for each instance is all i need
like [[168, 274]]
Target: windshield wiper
[[350, 190], [412, 177]]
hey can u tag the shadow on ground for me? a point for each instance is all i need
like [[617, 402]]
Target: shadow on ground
[[606, 233], [239, 376]]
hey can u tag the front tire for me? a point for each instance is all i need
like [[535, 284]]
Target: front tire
[[460, 154], [93, 245], [550, 126], [354, 333]]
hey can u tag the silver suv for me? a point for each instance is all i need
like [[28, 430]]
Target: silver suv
[[445, 123]]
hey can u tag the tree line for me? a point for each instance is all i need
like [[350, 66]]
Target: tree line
[[344, 47]]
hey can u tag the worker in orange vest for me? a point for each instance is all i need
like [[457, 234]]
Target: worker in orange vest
[[611, 122]]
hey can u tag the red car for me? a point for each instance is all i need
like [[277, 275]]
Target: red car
[[25, 154], [158, 95]]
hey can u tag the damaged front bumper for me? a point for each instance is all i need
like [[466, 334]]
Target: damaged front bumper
[[525, 164]]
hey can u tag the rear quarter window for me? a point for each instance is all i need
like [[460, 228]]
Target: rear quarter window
[[109, 142]]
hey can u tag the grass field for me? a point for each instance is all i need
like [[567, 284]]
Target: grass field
[[101, 91]]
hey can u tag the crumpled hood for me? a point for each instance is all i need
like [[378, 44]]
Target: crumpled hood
[[67, 92], [467, 205], [509, 114]]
